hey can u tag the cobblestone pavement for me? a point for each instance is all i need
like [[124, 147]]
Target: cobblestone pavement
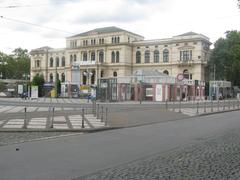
[[217, 158], [7, 138]]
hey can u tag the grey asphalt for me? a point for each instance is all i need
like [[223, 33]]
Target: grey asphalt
[[76, 156]]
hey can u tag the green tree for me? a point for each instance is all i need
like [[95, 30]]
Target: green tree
[[225, 57], [38, 80], [16, 64], [2, 86]]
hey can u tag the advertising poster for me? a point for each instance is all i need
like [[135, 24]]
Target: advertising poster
[[34, 92]]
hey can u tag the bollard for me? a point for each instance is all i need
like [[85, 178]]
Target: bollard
[[197, 107], [233, 104], [179, 110], [106, 120], [83, 119], [218, 106], [211, 106], [102, 114], [238, 103], [228, 104], [166, 105], [97, 111], [25, 118]]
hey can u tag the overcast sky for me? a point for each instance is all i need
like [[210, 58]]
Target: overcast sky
[[153, 19]]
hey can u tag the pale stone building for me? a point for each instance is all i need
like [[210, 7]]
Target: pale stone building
[[111, 51]]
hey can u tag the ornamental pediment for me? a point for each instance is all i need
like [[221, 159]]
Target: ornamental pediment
[[186, 47]]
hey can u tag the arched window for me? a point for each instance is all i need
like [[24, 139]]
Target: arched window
[[114, 74], [85, 56], [147, 56], [165, 55], [51, 62], [93, 77], [84, 78], [138, 57], [63, 61], [166, 72], [118, 39], [102, 41], [117, 57], [101, 56], [156, 56], [113, 57], [63, 77], [57, 61], [74, 58], [93, 56], [38, 63], [51, 77], [71, 59], [185, 74], [102, 74], [112, 39], [115, 40]]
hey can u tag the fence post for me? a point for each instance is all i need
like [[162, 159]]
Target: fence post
[[211, 105], [102, 114], [106, 120], [229, 104], [83, 119], [173, 106], [218, 106], [97, 111], [197, 107], [238, 103], [166, 105], [51, 126], [25, 118], [233, 104], [204, 106], [179, 110], [224, 104]]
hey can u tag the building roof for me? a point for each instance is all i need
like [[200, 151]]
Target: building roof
[[105, 30], [189, 34]]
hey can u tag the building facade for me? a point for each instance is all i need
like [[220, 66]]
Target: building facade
[[114, 52]]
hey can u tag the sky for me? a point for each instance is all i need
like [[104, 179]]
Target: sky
[[31, 24]]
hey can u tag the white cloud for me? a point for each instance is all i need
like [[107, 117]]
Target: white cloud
[[150, 18]]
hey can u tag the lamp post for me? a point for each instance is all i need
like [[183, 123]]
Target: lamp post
[[26, 77], [88, 75]]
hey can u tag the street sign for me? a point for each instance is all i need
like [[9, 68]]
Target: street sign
[[180, 77]]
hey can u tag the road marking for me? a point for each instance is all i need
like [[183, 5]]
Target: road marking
[[14, 123]]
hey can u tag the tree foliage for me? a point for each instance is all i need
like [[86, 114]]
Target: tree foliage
[[15, 65], [226, 57]]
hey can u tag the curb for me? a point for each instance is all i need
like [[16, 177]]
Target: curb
[[218, 112], [90, 130]]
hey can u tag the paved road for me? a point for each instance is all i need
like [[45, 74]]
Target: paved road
[[110, 154]]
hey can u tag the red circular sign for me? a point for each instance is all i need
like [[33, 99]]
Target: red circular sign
[[180, 77]]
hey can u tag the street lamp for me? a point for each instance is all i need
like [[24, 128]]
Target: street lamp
[[88, 75], [26, 77]]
